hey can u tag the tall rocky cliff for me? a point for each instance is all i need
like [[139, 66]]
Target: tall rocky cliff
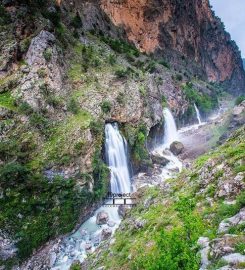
[[188, 29]]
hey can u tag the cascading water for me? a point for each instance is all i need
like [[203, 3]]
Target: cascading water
[[116, 155], [88, 236], [170, 135], [198, 114], [170, 130]]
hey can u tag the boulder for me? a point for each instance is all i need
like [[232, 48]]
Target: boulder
[[176, 148], [88, 246], [122, 210], [234, 258], [111, 223], [160, 160], [203, 242], [237, 219], [238, 114], [106, 233], [102, 218], [139, 223]]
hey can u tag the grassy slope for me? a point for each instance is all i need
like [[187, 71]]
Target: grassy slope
[[178, 216]]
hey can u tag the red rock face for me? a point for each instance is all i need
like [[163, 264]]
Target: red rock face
[[188, 28]]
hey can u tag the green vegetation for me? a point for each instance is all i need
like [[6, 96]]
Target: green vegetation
[[239, 100], [112, 59], [75, 267], [73, 106], [85, 58], [121, 99], [57, 148], [47, 54], [37, 120], [136, 137], [4, 16], [122, 73], [121, 46], [96, 128], [164, 63], [7, 101], [36, 209], [76, 21], [52, 15], [106, 106], [100, 175], [25, 108], [205, 102]]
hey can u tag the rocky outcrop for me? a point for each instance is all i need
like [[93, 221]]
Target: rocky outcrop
[[7, 246], [176, 148], [238, 219], [159, 159], [44, 71], [238, 114], [188, 29], [106, 233], [102, 218]]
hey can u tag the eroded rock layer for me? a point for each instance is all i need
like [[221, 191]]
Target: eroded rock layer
[[187, 28]]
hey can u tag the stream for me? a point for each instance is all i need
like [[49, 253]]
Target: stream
[[87, 238]]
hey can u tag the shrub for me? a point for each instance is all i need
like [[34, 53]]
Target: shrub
[[121, 98], [25, 108], [239, 100], [112, 59], [100, 175], [164, 63], [151, 67], [38, 120], [140, 152], [96, 127], [204, 101], [78, 147], [76, 266], [47, 54], [4, 16], [121, 73], [164, 102], [53, 15], [53, 101], [73, 106], [76, 21], [142, 90], [41, 71], [13, 174], [106, 106], [121, 46], [179, 77]]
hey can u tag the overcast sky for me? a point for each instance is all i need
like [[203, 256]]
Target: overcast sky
[[232, 13]]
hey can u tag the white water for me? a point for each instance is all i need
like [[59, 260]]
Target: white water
[[116, 154], [198, 114], [74, 247], [170, 129], [170, 135]]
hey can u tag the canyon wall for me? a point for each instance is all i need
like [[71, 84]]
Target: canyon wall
[[188, 29]]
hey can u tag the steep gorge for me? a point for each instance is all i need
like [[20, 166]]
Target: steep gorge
[[66, 70]]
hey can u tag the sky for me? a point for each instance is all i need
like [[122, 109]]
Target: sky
[[232, 13]]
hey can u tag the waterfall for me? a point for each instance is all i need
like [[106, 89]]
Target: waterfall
[[74, 246], [117, 159], [198, 114], [170, 130]]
